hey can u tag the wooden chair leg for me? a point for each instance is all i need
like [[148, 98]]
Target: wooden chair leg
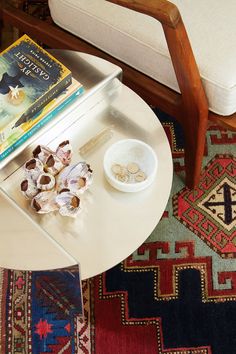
[[195, 139]]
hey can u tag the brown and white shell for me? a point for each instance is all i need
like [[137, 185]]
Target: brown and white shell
[[53, 164], [69, 203], [77, 178], [45, 202], [64, 152], [28, 188], [33, 168], [45, 181], [42, 152]]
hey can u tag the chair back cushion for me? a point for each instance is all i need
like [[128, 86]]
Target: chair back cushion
[[138, 40]]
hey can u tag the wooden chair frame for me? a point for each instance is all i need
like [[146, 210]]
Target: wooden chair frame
[[190, 107]]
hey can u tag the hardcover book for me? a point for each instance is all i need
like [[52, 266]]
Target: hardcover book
[[30, 77], [46, 114]]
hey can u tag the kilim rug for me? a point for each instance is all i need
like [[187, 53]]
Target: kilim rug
[[175, 295]]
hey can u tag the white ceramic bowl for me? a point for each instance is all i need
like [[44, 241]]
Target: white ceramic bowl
[[129, 151]]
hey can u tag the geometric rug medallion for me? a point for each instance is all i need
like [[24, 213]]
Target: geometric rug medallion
[[210, 210]]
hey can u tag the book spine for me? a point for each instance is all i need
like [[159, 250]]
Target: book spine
[[48, 117], [42, 101]]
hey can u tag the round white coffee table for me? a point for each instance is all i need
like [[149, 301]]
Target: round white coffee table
[[112, 224]]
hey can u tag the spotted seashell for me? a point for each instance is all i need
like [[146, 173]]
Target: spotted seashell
[[33, 168], [53, 164], [69, 203], [78, 185], [45, 181], [81, 169], [62, 181], [77, 178], [42, 152], [29, 188], [44, 202], [80, 178], [64, 152]]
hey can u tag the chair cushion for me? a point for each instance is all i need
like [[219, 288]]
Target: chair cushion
[[138, 40]]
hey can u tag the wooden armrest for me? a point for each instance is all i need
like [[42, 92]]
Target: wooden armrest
[[162, 10]]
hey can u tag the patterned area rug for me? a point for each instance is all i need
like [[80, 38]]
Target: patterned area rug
[[175, 295]]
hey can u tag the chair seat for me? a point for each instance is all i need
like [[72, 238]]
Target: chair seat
[[138, 41]]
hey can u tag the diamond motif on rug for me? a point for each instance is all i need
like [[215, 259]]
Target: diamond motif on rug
[[210, 210], [220, 203]]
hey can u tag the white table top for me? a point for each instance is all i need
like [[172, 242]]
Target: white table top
[[112, 224]]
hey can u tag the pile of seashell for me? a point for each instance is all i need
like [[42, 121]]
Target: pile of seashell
[[52, 184]]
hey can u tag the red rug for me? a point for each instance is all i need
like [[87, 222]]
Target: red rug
[[175, 295]]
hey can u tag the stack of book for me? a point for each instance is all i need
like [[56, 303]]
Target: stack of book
[[34, 88]]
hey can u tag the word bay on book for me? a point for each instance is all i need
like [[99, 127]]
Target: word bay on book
[[30, 78]]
